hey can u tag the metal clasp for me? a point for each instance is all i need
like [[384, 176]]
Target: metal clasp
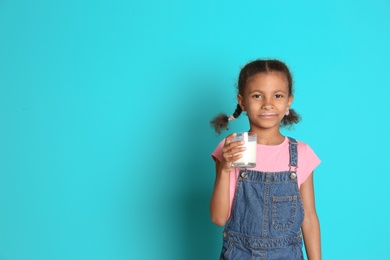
[[244, 174], [293, 175]]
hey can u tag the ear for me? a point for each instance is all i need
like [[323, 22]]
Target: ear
[[290, 101], [240, 100]]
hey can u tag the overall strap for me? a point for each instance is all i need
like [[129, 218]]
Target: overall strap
[[293, 146]]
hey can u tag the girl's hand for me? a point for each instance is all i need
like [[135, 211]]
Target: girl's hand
[[231, 152]]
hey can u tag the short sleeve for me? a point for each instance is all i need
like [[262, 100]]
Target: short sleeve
[[307, 162], [217, 154]]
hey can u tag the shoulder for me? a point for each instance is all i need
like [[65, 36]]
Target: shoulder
[[302, 146], [306, 155], [305, 148], [217, 154], [307, 161]]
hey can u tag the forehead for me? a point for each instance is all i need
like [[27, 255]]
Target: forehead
[[267, 81]]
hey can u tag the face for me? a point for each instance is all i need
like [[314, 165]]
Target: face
[[266, 100]]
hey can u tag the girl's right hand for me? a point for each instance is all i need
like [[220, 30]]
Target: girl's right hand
[[231, 152]]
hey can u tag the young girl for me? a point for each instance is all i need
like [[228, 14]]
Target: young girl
[[267, 209]]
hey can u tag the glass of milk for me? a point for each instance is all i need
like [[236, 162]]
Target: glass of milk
[[248, 159]]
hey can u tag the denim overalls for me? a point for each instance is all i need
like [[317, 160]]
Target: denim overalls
[[267, 215]]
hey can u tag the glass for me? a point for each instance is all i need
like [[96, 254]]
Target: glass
[[248, 159]]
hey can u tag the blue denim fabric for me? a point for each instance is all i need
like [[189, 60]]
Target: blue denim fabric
[[267, 215]]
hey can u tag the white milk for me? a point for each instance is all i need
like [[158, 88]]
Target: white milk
[[248, 159]]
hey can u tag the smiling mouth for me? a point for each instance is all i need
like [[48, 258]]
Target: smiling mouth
[[268, 114]]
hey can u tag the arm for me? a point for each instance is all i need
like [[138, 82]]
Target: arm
[[310, 225], [220, 200]]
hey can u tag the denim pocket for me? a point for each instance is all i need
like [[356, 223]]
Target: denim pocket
[[284, 210]]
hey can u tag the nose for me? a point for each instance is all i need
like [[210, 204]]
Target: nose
[[267, 104]]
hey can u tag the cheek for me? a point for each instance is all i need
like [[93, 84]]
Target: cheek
[[252, 105]]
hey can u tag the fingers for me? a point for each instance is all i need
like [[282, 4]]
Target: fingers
[[231, 151], [229, 138]]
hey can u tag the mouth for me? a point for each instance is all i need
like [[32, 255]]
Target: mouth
[[268, 115]]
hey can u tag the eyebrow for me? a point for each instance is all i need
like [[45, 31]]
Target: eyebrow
[[277, 91]]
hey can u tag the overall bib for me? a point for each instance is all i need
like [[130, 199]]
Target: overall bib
[[267, 215]]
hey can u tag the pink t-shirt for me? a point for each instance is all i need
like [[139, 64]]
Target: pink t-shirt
[[275, 158]]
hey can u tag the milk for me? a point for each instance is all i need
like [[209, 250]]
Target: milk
[[248, 159]]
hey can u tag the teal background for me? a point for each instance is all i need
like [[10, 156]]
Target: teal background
[[104, 121]]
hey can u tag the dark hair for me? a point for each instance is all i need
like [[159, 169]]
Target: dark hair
[[221, 122]]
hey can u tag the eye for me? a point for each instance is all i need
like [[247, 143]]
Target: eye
[[257, 96], [278, 95]]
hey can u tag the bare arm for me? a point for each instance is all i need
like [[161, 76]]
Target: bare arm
[[311, 224], [220, 200]]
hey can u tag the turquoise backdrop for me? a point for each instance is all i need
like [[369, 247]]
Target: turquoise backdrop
[[105, 106]]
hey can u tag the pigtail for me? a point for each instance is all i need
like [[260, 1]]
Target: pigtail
[[237, 112], [221, 121], [291, 119]]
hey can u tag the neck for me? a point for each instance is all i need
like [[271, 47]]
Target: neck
[[268, 136]]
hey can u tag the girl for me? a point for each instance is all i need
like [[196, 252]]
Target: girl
[[267, 209]]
